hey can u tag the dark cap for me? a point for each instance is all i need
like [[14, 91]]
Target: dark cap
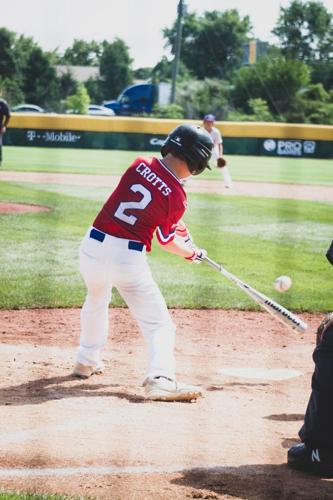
[[209, 118]]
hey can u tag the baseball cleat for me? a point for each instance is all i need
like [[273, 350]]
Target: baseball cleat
[[166, 389], [314, 460], [84, 371]]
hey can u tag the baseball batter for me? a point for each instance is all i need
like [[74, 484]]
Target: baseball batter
[[149, 199], [217, 154]]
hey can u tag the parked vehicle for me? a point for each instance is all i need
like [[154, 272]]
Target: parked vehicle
[[140, 98], [96, 110], [93, 109], [27, 108]]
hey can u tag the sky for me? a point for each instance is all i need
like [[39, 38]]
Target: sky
[[54, 24]]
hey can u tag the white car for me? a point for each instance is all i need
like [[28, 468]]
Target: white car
[[96, 110], [28, 108]]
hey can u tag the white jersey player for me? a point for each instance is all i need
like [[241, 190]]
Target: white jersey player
[[217, 154]]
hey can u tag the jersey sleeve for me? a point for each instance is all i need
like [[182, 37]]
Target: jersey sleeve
[[219, 138], [165, 234]]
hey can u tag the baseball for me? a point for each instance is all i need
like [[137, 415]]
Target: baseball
[[282, 283]]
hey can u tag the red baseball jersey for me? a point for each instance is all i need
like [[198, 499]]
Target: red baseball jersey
[[148, 197]]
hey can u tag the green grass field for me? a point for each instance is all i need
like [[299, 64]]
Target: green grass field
[[255, 238], [32, 496], [244, 168]]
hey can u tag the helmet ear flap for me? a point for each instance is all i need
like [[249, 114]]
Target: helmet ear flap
[[165, 150], [200, 168]]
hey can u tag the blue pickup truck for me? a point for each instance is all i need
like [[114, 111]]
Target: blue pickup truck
[[141, 98]]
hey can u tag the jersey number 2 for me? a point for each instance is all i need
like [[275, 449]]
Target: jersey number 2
[[136, 205]]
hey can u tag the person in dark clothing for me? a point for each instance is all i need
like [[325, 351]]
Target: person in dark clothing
[[315, 453], [4, 120]]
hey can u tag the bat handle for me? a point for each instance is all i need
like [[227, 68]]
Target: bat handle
[[212, 263]]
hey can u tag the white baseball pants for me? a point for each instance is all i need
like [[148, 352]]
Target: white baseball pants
[[224, 170], [110, 263], [226, 177]]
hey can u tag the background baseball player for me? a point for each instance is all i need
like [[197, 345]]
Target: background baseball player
[[149, 197], [217, 154], [4, 120], [315, 453]]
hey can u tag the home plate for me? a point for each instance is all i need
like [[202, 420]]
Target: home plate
[[260, 373]]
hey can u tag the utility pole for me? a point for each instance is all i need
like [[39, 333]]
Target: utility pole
[[181, 11]]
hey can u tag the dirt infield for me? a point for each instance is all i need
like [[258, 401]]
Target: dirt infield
[[19, 208], [100, 439], [264, 189]]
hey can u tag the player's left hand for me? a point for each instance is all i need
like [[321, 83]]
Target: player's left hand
[[199, 254]]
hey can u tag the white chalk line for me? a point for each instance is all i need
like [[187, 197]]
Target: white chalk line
[[274, 374], [106, 470]]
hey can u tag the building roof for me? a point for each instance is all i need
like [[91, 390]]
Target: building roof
[[79, 73]]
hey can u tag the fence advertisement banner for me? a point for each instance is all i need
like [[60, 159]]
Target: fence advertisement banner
[[257, 146]]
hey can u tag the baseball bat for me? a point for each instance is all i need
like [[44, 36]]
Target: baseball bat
[[279, 312]]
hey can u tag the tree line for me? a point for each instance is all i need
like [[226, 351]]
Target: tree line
[[291, 81]]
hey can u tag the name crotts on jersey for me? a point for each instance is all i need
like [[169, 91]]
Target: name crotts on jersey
[[148, 197]]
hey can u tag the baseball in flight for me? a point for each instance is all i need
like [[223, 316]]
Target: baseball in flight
[[282, 283]]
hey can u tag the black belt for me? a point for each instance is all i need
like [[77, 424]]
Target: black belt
[[95, 234]]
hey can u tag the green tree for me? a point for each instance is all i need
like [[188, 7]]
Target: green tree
[[22, 49], [142, 73], [79, 101], [8, 67], [275, 80], [95, 90], [10, 90], [305, 31], [317, 104], [162, 71], [259, 112], [322, 72], [115, 68], [40, 82], [173, 111], [67, 85], [198, 97], [82, 53], [212, 45]]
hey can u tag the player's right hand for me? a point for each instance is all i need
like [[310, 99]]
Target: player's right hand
[[199, 254]]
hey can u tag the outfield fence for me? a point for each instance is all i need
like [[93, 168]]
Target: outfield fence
[[147, 134]]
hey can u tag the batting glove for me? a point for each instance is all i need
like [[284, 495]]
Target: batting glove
[[199, 254]]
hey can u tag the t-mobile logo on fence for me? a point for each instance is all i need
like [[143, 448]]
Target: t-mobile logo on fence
[[61, 137], [67, 136], [31, 135]]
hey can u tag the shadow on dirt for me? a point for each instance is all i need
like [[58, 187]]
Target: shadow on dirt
[[255, 482], [286, 417], [47, 389]]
